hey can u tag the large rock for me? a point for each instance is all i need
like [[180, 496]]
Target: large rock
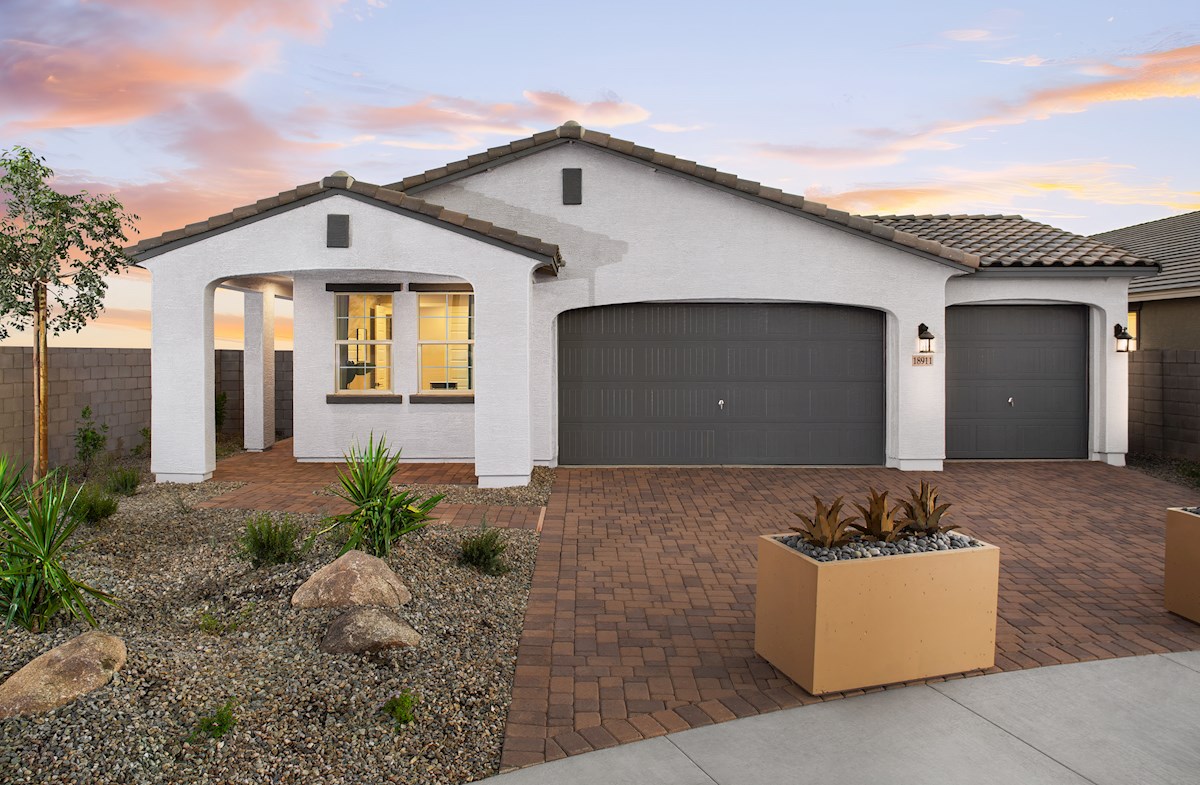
[[368, 629], [354, 579], [62, 674]]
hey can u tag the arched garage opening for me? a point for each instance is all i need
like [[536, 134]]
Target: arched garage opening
[[721, 383]]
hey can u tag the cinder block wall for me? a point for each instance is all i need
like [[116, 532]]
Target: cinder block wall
[[116, 384], [1164, 402]]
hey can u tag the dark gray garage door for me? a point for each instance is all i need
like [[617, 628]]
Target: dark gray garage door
[[1016, 381], [707, 383]]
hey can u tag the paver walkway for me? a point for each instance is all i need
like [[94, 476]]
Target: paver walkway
[[276, 481], [640, 620]]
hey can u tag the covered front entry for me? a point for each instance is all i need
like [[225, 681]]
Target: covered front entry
[[1016, 381], [721, 383]]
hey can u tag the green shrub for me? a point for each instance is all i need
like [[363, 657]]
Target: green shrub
[[267, 541], [382, 514], [92, 504], [484, 550], [142, 450], [402, 709], [89, 440], [34, 583], [123, 482], [219, 403], [217, 724]]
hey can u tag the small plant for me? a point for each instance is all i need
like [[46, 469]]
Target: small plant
[[213, 624], [92, 504], [382, 514], [142, 450], [219, 405], [267, 541], [123, 482], [922, 513], [215, 725], [89, 440], [402, 709], [34, 583], [878, 522], [826, 528], [484, 550]]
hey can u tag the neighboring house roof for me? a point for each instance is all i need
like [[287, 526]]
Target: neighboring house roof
[[343, 183], [1014, 241], [1174, 242]]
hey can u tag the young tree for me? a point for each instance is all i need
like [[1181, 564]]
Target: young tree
[[55, 251]]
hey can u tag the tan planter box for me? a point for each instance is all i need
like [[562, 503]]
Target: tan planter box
[[1182, 579], [844, 625]]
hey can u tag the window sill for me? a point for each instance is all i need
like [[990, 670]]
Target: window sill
[[364, 398], [441, 398]]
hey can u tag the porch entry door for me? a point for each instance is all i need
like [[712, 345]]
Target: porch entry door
[[721, 383], [1016, 381]]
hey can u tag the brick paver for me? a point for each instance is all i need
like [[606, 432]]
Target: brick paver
[[641, 612]]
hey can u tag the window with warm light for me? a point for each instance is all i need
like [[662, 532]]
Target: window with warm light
[[446, 342], [1132, 327], [363, 343]]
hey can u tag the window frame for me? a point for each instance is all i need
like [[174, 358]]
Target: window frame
[[447, 293], [338, 343]]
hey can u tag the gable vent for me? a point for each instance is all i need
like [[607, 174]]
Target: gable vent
[[572, 186], [337, 231]]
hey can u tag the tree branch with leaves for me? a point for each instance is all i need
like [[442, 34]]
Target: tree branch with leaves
[[56, 251]]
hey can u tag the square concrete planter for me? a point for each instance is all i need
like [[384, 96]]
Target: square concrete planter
[[844, 625], [1182, 579]]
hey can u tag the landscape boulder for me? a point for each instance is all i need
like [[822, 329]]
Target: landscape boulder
[[61, 675], [366, 630], [353, 579]]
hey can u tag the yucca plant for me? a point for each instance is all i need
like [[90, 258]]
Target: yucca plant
[[922, 513], [878, 522], [382, 514], [826, 528], [34, 583], [11, 477], [267, 541]]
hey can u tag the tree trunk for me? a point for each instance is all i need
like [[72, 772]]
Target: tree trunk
[[41, 396]]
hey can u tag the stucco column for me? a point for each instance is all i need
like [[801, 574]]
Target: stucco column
[[182, 419], [258, 371], [917, 393], [1110, 385], [503, 455]]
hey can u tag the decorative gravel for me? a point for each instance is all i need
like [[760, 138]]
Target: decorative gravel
[[861, 548], [301, 716], [535, 494], [1193, 510], [1177, 470]]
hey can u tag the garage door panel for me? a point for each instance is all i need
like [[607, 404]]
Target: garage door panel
[[1037, 356], [800, 384]]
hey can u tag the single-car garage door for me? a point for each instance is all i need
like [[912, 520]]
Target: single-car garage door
[[717, 383], [1016, 381]]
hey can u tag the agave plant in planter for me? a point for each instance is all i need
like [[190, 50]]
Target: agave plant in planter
[[837, 593]]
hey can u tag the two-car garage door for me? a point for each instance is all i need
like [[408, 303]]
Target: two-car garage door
[[721, 383]]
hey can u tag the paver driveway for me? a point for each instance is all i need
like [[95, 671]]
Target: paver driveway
[[641, 620]]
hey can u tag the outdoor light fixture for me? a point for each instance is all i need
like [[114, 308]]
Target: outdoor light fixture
[[1124, 339], [924, 339]]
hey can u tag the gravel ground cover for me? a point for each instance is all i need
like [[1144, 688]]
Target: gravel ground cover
[[861, 548], [301, 716], [1176, 470], [535, 494]]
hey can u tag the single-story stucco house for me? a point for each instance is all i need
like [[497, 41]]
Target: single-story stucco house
[[572, 298]]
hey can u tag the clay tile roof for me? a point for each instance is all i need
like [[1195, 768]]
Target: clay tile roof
[[1174, 242], [1013, 241], [344, 182]]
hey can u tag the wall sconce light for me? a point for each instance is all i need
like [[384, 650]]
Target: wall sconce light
[[1125, 341], [924, 340]]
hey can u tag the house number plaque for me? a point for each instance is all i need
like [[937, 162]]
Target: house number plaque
[[922, 359]]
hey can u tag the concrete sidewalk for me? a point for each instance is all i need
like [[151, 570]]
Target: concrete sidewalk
[[1118, 722]]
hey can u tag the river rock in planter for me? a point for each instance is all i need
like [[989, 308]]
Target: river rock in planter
[[62, 674], [355, 578], [368, 629]]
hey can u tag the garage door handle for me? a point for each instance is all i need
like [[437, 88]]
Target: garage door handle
[[721, 403], [1010, 401]]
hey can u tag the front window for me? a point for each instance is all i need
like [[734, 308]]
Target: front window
[[1133, 328], [446, 342], [363, 343]]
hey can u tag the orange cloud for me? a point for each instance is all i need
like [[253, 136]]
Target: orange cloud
[[1173, 73]]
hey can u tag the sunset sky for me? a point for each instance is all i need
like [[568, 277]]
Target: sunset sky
[[1080, 114]]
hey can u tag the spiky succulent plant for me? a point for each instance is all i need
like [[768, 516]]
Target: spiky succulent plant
[[826, 528], [878, 522], [922, 513]]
